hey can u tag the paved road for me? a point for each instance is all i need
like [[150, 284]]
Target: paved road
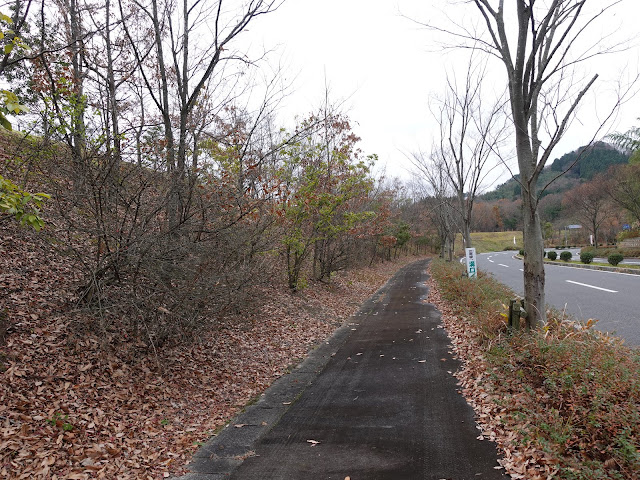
[[384, 406], [613, 298]]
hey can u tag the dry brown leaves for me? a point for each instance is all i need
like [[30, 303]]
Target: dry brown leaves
[[528, 463], [69, 408]]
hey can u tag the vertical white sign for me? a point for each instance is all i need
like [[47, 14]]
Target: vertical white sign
[[471, 262]]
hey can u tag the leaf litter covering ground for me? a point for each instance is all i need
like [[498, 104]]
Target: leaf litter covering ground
[[69, 408], [528, 463]]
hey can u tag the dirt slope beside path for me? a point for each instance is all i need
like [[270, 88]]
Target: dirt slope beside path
[[385, 405], [82, 404]]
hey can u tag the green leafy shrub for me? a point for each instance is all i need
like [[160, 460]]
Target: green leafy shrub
[[521, 253], [23, 206], [552, 255], [565, 256], [544, 253], [615, 258], [586, 257]]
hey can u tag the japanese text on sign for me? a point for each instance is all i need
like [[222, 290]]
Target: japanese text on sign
[[471, 262]]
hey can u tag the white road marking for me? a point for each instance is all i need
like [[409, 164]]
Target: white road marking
[[593, 286], [522, 269], [551, 265], [490, 259], [503, 265]]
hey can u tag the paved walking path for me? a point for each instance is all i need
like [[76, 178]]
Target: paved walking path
[[376, 402]]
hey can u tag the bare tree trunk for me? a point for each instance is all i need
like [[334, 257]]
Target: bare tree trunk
[[466, 220], [534, 276], [537, 49], [111, 88], [78, 101]]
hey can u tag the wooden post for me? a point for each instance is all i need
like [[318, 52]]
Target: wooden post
[[516, 311], [514, 314]]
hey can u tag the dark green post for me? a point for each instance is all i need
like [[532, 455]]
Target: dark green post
[[514, 315], [516, 311]]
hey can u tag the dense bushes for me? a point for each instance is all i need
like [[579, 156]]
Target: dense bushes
[[604, 252], [157, 256], [625, 234], [552, 255], [154, 267]]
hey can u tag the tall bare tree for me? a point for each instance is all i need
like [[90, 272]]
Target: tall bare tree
[[471, 130], [538, 44], [440, 197], [75, 37], [191, 42], [590, 204]]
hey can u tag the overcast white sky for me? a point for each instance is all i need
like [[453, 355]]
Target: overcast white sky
[[384, 67]]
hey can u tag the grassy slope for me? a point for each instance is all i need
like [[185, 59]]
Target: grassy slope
[[492, 241], [561, 402]]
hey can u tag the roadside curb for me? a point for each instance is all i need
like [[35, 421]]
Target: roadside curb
[[628, 271], [224, 452]]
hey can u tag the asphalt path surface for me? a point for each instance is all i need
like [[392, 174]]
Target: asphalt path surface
[[383, 405], [612, 298]]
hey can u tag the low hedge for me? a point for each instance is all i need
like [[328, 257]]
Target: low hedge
[[604, 252]]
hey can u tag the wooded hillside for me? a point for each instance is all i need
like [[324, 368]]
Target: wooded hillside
[[580, 165], [122, 376], [168, 244], [592, 186]]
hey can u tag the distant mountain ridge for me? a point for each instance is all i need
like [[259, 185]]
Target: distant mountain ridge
[[591, 160]]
